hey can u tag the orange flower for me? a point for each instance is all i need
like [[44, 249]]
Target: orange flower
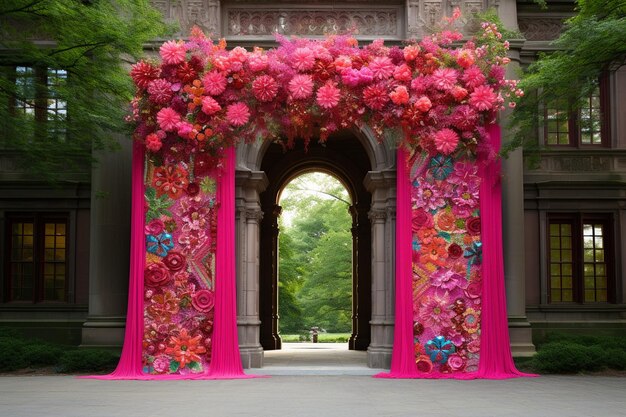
[[435, 251], [446, 221], [171, 180], [185, 349]]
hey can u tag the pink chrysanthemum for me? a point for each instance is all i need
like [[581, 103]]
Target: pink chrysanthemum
[[168, 119], [473, 77], [365, 75], [483, 98], [264, 88], [459, 93], [464, 117], [153, 143], [160, 91], [303, 59], [465, 58], [382, 67], [328, 95], [214, 83], [173, 52], [420, 84], [237, 114], [343, 62], [423, 104], [143, 73], [222, 63], [446, 141], [301, 86], [350, 77], [400, 95], [402, 73], [210, 106], [257, 62], [411, 52], [435, 312], [184, 130], [375, 96], [238, 54], [444, 78]]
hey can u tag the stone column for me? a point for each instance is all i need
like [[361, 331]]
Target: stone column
[[248, 216], [109, 248], [382, 218]]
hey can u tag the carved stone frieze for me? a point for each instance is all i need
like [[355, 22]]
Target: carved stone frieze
[[254, 214], [377, 215], [582, 163], [423, 16], [313, 21], [540, 29], [188, 13]]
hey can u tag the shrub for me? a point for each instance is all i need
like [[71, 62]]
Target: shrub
[[42, 354], [12, 354], [567, 357], [88, 360]]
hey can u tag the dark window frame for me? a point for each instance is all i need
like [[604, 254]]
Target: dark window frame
[[39, 220], [576, 220], [574, 121]]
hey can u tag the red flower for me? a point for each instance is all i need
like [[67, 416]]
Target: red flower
[[375, 97], [203, 300], [174, 261], [143, 73], [186, 72], [160, 91], [171, 180], [193, 189], [455, 251], [185, 349], [473, 226], [264, 88], [156, 275]]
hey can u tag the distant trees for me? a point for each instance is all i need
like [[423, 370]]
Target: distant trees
[[315, 249]]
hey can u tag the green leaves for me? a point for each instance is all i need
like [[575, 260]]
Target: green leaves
[[158, 206]]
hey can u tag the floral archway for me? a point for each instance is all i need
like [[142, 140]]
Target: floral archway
[[437, 98]]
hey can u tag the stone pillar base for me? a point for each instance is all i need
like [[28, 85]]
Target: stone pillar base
[[379, 357], [521, 336], [251, 357], [103, 332]]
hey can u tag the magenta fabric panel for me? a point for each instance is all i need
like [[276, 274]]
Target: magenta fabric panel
[[226, 361], [402, 358], [496, 361]]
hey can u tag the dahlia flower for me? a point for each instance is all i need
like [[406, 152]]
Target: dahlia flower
[[153, 143], [303, 59], [237, 114], [402, 73], [173, 52], [423, 104], [483, 98], [328, 95], [375, 96], [257, 62], [160, 91], [444, 78], [264, 88], [411, 52], [214, 83], [473, 77], [184, 129], [465, 58], [446, 141], [382, 67], [301, 86], [343, 62], [168, 119], [365, 75], [238, 54], [143, 73], [400, 95], [210, 106]]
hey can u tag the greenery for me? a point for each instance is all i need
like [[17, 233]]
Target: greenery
[[18, 353], [592, 42], [315, 247], [569, 354], [93, 41], [321, 337]]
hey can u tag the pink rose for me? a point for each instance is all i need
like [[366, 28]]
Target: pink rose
[[203, 300], [174, 261], [156, 274], [155, 227], [455, 362], [161, 364]]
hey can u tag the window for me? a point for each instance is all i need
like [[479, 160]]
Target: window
[[580, 259], [36, 269], [585, 127], [37, 96]]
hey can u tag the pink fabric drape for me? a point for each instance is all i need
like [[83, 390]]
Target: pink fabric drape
[[495, 360], [225, 360]]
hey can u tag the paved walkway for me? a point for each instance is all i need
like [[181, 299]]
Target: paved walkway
[[333, 388]]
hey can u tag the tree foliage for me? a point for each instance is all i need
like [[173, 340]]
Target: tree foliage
[[93, 41], [315, 272], [592, 42]]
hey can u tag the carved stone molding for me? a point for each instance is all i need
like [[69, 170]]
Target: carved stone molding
[[423, 16], [254, 21], [582, 163], [377, 215], [540, 29], [254, 214], [188, 13]]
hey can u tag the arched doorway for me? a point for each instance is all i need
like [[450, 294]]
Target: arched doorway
[[345, 158]]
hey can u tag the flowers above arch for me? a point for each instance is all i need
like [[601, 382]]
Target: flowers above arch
[[439, 92]]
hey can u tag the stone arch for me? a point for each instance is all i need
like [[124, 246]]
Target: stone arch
[[372, 186]]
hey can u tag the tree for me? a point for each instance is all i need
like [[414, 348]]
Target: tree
[[64, 84], [593, 41], [315, 244]]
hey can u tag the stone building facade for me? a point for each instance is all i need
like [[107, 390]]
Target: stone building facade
[[564, 209]]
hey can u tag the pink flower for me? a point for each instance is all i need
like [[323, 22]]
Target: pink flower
[[444, 78], [160, 91], [143, 73], [303, 59], [382, 67], [237, 114], [466, 195], [153, 143], [411, 52], [210, 106], [473, 77], [238, 54], [429, 197], [402, 73], [483, 98], [350, 77], [375, 96], [328, 95], [203, 300], [435, 312], [423, 104], [184, 129], [257, 62], [343, 62], [173, 52], [447, 280], [455, 362], [446, 141], [301, 86], [459, 93], [400, 95], [161, 364], [465, 58], [214, 83], [365, 75], [168, 119], [154, 227], [264, 88]]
